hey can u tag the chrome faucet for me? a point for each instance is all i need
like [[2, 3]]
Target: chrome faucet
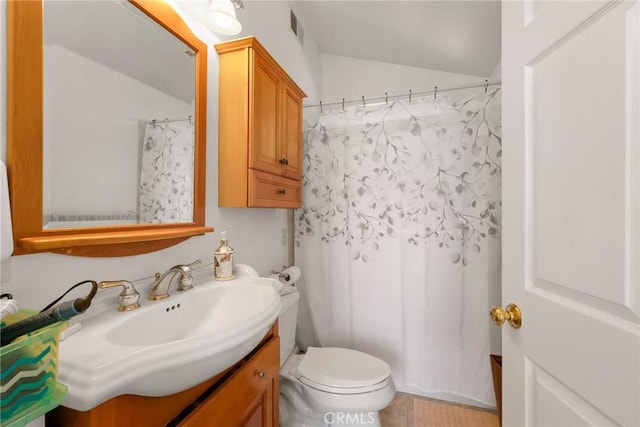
[[159, 289]]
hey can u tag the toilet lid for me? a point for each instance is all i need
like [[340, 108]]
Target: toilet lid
[[341, 367]]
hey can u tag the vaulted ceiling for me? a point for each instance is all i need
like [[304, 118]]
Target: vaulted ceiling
[[455, 36]]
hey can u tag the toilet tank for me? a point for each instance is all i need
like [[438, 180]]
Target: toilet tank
[[287, 324]]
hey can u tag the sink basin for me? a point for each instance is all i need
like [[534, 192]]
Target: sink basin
[[165, 346]]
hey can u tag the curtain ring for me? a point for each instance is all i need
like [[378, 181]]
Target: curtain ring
[[190, 122], [386, 98], [363, 104], [410, 95], [435, 93], [343, 105], [486, 86], [321, 107]]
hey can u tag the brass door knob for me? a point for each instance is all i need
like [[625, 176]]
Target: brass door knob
[[512, 314]]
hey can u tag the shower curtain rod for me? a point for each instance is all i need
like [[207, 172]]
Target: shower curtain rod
[[409, 94], [166, 120]]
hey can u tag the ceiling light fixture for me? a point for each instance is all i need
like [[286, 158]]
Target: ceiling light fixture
[[221, 17]]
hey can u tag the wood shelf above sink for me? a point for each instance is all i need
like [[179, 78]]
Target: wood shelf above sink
[[101, 243]]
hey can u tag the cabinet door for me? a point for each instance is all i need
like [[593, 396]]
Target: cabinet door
[[248, 399], [264, 129], [292, 134]]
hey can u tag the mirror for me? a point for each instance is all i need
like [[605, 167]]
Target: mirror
[[106, 147], [120, 99]]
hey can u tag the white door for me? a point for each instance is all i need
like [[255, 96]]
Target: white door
[[571, 213]]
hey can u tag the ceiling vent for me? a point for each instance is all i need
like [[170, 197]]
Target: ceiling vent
[[296, 27]]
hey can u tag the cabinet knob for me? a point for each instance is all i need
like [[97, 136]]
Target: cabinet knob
[[261, 374], [282, 191], [284, 161]]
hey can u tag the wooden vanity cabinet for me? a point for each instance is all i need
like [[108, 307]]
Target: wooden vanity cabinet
[[259, 129], [250, 396], [245, 395]]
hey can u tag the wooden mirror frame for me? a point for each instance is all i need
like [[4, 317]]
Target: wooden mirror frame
[[25, 50]]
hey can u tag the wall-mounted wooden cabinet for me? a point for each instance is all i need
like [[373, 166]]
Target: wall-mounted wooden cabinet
[[259, 129]]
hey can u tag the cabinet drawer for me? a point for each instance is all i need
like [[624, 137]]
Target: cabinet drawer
[[247, 398], [270, 191]]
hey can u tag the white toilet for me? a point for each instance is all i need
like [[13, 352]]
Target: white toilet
[[328, 386]]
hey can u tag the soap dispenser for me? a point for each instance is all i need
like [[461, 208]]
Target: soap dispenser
[[223, 259]]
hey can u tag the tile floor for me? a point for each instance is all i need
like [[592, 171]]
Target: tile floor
[[408, 410]]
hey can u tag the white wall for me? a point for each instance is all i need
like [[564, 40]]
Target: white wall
[[352, 78], [254, 233]]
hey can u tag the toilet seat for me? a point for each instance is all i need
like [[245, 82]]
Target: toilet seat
[[342, 371], [345, 390]]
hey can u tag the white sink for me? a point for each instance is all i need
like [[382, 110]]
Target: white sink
[[165, 346]]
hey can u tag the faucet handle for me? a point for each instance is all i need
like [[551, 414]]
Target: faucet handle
[[186, 280], [184, 268], [129, 297], [193, 264]]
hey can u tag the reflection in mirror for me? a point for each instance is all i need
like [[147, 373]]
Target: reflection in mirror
[[118, 121]]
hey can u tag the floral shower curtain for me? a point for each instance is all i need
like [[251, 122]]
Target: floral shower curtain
[[166, 173], [398, 238]]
